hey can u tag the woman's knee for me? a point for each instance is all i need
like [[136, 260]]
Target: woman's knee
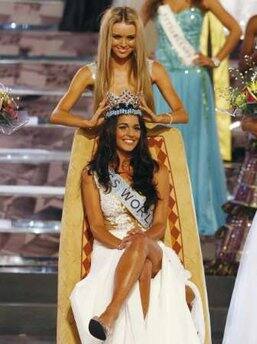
[[139, 243]]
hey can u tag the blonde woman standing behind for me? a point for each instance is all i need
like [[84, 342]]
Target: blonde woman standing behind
[[121, 65]]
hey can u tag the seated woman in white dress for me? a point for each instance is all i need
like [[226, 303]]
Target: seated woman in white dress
[[136, 285]]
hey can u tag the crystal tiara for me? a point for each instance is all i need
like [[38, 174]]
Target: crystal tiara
[[127, 103]]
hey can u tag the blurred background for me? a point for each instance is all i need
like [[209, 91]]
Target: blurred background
[[42, 44]]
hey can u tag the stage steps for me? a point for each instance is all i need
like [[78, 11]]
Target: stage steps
[[219, 293], [28, 303]]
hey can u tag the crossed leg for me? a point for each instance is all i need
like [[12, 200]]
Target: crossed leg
[[145, 285], [129, 269]]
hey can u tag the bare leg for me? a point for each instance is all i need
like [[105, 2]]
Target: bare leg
[[145, 285], [189, 297], [128, 271]]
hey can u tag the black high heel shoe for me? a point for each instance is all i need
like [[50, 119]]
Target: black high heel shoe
[[97, 329]]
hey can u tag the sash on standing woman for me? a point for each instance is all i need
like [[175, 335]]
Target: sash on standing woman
[[176, 36], [131, 199]]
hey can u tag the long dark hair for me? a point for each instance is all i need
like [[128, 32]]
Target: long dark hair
[[151, 6], [141, 161]]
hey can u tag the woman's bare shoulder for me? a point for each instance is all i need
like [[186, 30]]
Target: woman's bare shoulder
[[158, 71], [85, 74], [252, 24], [157, 66]]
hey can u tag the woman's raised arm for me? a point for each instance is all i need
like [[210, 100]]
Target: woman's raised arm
[[248, 46], [229, 22], [161, 78], [62, 115], [144, 13]]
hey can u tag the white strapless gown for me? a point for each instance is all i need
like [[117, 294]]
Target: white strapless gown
[[168, 320], [242, 316]]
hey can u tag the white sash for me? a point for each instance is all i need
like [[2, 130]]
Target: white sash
[[131, 199], [175, 35]]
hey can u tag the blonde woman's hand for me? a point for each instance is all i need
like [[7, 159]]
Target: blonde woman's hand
[[148, 114], [98, 117]]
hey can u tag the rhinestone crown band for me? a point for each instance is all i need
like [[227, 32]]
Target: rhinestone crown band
[[127, 103]]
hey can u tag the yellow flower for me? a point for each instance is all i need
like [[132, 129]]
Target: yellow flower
[[240, 100], [253, 86]]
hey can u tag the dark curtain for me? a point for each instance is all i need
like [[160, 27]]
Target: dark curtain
[[83, 15]]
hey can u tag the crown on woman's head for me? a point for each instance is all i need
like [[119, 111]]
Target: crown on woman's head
[[127, 103]]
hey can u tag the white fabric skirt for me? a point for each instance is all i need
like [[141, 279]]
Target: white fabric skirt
[[242, 315], [169, 319]]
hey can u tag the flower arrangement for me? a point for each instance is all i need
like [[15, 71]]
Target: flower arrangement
[[10, 117], [241, 97], [244, 101]]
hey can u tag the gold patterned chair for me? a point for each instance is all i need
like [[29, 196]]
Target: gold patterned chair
[[166, 146]]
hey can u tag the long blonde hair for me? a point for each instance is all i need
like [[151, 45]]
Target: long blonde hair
[[140, 68]]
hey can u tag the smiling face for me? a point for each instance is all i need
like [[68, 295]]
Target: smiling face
[[123, 39], [128, 133]]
